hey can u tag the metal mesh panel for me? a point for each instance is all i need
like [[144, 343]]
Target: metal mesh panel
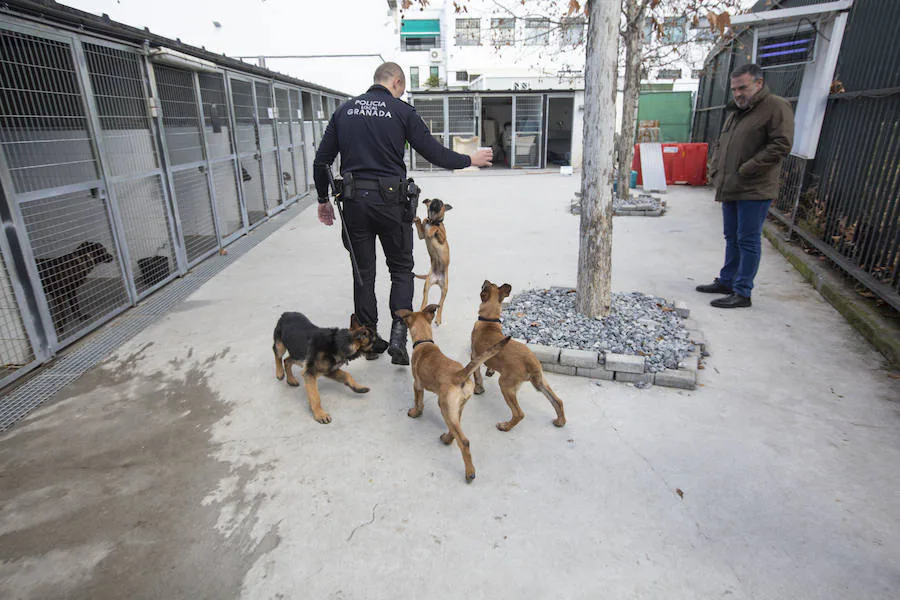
[[73, 245], [297, 139], [181, 118], [309, 132], [146, 231], [43, 128], [251, 184], [432, 112], [529, 110], [15, 348], [265, 112], [117, 79], [272, 179], [288, 181], [283, 117], [462, 115], [195, 212], [245, 124], [228, 206], [215, 115]]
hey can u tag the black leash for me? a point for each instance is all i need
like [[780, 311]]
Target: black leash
[[338, 201]]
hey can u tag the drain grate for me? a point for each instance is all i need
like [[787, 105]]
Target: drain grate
[[21, 401]]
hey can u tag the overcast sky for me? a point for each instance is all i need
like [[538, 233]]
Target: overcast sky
[[270, 27]]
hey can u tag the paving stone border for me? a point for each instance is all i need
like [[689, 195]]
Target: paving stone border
[[626, 368], [647, 206]]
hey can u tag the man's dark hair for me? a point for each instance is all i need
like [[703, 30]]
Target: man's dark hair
[[386, 72], [751, 69]]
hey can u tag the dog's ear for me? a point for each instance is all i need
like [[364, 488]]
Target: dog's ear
[[430, 311], [447, 207], [426, 201], [354, 322], [403, 314], [486, 290], [505, 289]]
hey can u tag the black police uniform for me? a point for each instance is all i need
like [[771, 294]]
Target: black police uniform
[[370, 133]]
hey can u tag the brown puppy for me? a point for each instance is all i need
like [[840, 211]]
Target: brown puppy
[[435, 235], [445, 377], [515, 363], [320, 351]]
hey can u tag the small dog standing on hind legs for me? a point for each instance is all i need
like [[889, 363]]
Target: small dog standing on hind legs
[[452, 382], [435, 235], [321, 351]]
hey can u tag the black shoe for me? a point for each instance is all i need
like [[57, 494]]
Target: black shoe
[[732, 301], [371, 355], [716, 287], [397, 349]]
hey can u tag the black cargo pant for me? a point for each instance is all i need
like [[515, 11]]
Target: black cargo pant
[[367, 215]]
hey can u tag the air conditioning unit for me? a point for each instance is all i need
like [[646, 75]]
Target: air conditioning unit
[[436, 55]]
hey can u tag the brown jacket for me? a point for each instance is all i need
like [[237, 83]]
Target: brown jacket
[[746, 164]]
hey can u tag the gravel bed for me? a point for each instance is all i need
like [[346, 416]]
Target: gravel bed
[[644, 202], [637, 324]]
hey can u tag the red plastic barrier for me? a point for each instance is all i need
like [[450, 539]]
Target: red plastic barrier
[[683, 163]]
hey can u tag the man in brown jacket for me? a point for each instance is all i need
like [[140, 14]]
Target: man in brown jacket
[[745, 169]]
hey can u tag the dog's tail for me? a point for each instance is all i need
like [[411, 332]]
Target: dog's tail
[[479, 360], [420, 276]]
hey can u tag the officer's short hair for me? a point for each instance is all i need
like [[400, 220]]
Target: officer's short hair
[[752, 69], [386, 72]]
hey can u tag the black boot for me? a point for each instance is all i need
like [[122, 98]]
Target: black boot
[[397, 349], [379, 346]]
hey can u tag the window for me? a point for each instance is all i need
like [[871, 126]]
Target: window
[[433, 73], [503, 32], [421, 34], [468, 32], [703, 34], [413, 44], [696, 73], [474, 76], [572, 31], [462, 76], [537, 32], [674, 30], [669, 74], [414, 78]]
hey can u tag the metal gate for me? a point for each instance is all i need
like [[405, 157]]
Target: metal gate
[[432, 112], [221, 158], [289, 179], [247, 149], [268, 146], [131, 158], [461, 118], [60, 215], [302, 177], [526, 141], [186, 161], [309, 134]]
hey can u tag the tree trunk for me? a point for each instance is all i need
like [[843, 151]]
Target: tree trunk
[[595, 247], [635, 12]]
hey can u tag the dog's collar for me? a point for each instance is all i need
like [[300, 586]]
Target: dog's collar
[[435, 223], [486, 320], [422, 342]]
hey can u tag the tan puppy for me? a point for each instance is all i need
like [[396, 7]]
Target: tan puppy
[[435, 235], [515, 363], [445, 377]]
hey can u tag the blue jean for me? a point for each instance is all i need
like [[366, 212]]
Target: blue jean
[[743, 222]]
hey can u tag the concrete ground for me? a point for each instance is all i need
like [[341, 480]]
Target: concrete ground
[[182, 469]]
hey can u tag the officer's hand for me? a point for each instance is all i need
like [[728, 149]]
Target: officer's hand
[[326, 214], [482, 158]]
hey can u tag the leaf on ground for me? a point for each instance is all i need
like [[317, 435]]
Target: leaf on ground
[[679, 492]]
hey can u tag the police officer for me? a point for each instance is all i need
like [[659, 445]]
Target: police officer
[[370, 132]]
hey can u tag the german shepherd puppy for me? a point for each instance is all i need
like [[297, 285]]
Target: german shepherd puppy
[[321, 351], [62, 276]]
